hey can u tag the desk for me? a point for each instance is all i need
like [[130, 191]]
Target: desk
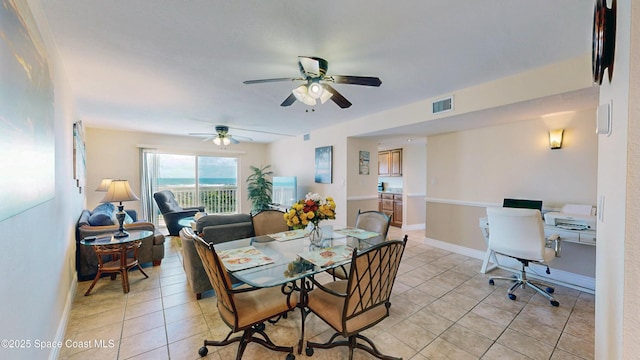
[[581, 237], [107, 246], [284, 253]]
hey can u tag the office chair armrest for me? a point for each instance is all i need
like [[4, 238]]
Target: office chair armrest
[[325, 289], [554, 241]]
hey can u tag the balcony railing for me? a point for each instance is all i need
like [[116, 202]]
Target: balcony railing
[[216, 199]]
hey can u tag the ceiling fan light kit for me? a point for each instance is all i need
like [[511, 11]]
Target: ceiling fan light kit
[[314, 72]]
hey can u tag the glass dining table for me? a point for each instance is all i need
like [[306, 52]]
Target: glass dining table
[[287, 259]]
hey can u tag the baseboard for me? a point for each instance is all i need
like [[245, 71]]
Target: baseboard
[[414, 227], [558, 277], [476, 254], [62, 326]]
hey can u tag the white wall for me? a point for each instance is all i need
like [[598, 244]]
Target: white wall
[[115, 154], [616, 267], [38, 256], [631, 327]]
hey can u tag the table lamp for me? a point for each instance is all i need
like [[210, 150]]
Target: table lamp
[[119, 191]]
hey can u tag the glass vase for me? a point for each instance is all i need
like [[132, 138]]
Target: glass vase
[[315, 236]]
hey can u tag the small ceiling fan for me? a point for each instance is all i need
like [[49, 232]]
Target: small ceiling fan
[[314, 72], [221, 136]]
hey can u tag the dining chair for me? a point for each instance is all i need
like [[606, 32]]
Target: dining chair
[[244, 308], [519, 233], [360, 302], [375, 221], [269, 222]]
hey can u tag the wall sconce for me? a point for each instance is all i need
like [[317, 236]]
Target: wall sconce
[[555, 139]]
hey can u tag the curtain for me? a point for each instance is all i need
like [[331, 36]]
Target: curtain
[[149, 184]]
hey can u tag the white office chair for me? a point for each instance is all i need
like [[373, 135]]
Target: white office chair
[[519, 233]]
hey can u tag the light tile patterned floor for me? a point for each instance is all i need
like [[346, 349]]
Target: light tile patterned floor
[[442, 308]]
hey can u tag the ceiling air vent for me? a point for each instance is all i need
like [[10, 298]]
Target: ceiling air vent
[[442, 105]]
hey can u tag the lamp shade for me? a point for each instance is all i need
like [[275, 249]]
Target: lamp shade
[[119, 191], [301, 93], [555, 139], [222, 140], [104, 185]]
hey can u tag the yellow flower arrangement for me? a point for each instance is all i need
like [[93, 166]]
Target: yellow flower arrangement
[[311, 209]]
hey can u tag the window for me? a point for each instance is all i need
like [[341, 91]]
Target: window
[[195, 180]]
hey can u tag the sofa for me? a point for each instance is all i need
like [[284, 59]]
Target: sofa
[[216, 229], [224, 227], [102, 220]]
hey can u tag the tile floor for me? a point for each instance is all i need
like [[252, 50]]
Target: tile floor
[[442, 308]]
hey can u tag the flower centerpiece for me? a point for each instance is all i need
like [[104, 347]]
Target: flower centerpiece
[[311, 210]]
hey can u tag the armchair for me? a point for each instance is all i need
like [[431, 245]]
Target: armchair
[[354, 305], [244, 309], [172, 212], [376, 221], [269, 222]]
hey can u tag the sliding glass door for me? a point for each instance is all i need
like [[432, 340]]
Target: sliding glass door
[[195, 180]]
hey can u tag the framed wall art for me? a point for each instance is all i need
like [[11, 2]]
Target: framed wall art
[[324, 160], [79, 156], [363, 162], [27, 117]]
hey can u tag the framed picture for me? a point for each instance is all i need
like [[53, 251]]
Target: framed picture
[[324, 170], [363, 163], [79, 156]]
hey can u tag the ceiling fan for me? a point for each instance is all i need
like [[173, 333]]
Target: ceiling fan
[[221, 136], [317, 87]]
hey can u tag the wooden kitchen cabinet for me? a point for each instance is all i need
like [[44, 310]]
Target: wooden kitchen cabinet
[[391, 204], [390, 162], [396, 220]]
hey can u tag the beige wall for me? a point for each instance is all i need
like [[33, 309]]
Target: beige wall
[[414, 163], [38, 256], [469, 170], [514, 160], [115, 154]]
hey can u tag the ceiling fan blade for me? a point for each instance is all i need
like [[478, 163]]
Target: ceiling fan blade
[[337, 97], [356, 80], [270, 80], [261, 131], [234, 141], [202, 134], [289, 100]]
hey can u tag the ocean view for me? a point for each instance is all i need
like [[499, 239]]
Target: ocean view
[[192, 181]]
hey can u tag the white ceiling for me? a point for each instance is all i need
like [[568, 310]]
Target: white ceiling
[[177, 67]]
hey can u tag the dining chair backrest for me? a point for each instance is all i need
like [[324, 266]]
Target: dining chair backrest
[[269, 222], [218, 276], [371, 279], [375, 221]]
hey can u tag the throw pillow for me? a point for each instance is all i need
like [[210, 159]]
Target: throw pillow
[[102, 215]]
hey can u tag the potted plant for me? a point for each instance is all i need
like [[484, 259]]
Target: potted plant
[[259, 188]]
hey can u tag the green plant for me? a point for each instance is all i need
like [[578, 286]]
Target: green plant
[[259, 188]]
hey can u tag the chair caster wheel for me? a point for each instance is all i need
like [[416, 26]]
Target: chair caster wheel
[[491, 282], [290, 356], [555, 303], [308, 351], [203, 351], [260, 327], [511, 296], [549, 290]]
